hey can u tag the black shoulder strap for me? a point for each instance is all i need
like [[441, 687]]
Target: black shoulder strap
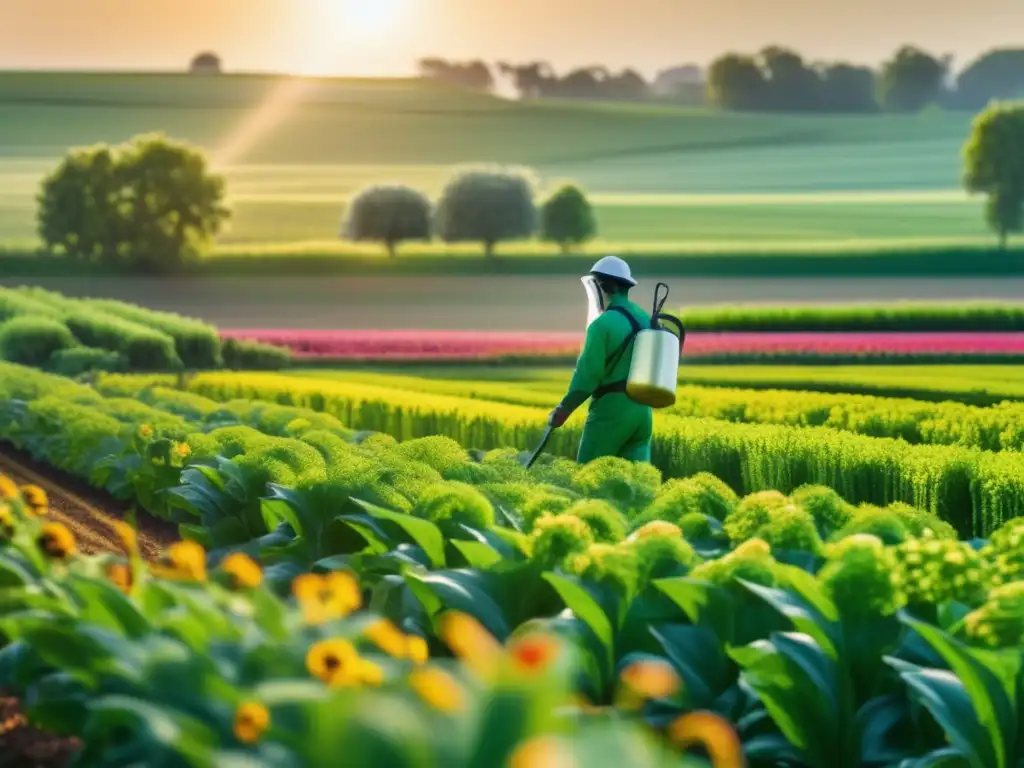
[[615, 356]]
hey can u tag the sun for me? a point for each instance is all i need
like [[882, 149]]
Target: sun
[[364, 17]]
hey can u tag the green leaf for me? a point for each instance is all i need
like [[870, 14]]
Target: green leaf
[[456, 591], [585, 608], [477, 555], [277, 511], [805, 616], [106, 606], [703, 603], [988, 679], [423, 532]]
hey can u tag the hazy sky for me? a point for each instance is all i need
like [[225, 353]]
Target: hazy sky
[[350, 37]]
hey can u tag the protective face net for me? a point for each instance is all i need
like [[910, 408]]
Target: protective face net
[[595, 298]]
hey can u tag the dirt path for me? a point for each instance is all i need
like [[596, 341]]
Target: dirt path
[[88, 513]]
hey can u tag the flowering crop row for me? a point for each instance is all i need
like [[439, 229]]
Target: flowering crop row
[[976, 491], [482, 345], [679, 598], [994, 428]]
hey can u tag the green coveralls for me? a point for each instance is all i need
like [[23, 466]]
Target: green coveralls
[[615, 426]]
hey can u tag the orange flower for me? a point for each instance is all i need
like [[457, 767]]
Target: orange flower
[[416, 649], [542, 752], [651, 679], [57, 541], [251, 720], [243, 570], [389, 638], [127, 536], [438, 689], [714, 733], [120, 575], [471, 642], [325, 598], [182, 450], [533, 652], [8, 488], [185, 561], [35, 498], [335, 662]]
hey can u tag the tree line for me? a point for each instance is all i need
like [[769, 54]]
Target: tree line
[[773, 79]]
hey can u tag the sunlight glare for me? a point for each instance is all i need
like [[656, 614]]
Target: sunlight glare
[[365, 17]]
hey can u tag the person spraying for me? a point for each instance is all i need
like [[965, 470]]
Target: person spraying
[[628, 366]]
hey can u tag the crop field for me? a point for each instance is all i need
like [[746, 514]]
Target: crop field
[[367, 544], [662, 178]]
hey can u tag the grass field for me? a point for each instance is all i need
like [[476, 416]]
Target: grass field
[[662, 177]]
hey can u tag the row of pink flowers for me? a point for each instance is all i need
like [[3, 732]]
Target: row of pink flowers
[[425, 345]]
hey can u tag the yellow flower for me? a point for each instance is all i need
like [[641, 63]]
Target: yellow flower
[[651, 679], [126, 535], [656, 528], [416, 649], [471, 642], [533, 652], [334, 662], [714, 733], [8, 488], [245, 573], [6, 521], [251, 720], [542, 752], [120, 575], [389, 638], [145, 431], [56, 540], [182, 450], [438, 689], [186, 561], [370, 673], [324, 598], [35, 497]]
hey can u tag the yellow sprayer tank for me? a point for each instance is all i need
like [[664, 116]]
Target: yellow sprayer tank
[[654, 371]]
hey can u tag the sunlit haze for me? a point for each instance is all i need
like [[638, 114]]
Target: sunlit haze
[[386, 37]]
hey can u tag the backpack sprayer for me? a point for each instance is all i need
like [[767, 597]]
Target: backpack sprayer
[[654, 366]]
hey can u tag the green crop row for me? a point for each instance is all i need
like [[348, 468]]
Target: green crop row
[[895, 316], [997, 428], [670, 599], [46, 329], [974, 490]]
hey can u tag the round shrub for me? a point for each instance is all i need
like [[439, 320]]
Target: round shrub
[[32, 340], [631, 486], [556, 538], [606, 523], [439, 452], [661, 555], [751, 561], [932, 571], [545, 501], [1005, 552], [557, 471], [673, 500], [999, 623], [607, 564], [860, 577], [79, 360], [567, 218], [457, 502], [829, 510], [697, 526], [248, 355], [487, 206], [388, 214], [752, 513], [918, 521], [717, 499], [888, 527], [791, 528]]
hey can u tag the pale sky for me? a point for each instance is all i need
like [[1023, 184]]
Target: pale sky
[[385, 37]]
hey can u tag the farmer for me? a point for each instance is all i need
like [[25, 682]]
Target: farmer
[[616, 425]]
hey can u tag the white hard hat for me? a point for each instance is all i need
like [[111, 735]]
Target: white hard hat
[[614, 267]]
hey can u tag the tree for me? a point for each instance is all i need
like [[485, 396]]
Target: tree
[[205, 63], [474, 75], [487, 206], [567, 218], [388, 214], [994, 166], [791, 86], [737, 82], [998, 74], [151, 204], [911, 80], [847, 88]]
